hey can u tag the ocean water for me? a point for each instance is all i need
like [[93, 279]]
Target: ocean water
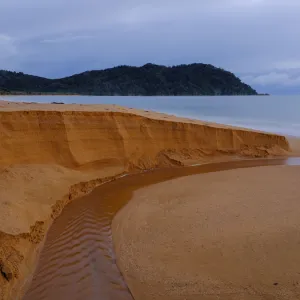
[[277, 114]]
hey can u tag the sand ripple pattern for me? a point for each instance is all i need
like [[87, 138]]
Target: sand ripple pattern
[[78, 260]]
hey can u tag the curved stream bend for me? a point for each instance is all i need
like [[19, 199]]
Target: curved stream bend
[[78, 260]]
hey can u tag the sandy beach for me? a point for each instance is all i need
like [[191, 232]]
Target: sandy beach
[[56, 153], [225, 235]]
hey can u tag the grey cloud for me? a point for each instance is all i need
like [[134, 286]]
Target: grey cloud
[[67, 38], [8, 51], [284, 81], [273, 78], [7, 45]]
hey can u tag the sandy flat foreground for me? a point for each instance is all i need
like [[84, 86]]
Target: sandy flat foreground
[[226, 235]]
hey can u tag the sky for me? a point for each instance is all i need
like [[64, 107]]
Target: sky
[[258, 40]]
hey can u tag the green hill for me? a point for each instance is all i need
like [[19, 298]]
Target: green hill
[[148, 80]]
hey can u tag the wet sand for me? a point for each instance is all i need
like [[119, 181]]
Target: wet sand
[[221, 236], [78, 259]]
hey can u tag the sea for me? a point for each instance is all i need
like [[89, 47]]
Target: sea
[[277, 114]]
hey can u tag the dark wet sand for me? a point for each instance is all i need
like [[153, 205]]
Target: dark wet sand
[[78, 260]]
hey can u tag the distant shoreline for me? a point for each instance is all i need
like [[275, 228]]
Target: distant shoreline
[[38, 94], [53, 94]]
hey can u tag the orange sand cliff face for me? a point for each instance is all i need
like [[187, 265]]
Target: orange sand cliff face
[[50, 154]]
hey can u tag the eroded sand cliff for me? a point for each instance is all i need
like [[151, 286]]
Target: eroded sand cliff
[[51, 154]]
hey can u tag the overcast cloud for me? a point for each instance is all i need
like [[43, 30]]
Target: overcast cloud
[[256, 39]]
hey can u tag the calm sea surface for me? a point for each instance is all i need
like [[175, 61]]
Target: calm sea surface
[[278, 114]]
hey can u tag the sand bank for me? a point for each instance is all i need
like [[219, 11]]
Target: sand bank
[[225, 235], [50, 154]]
